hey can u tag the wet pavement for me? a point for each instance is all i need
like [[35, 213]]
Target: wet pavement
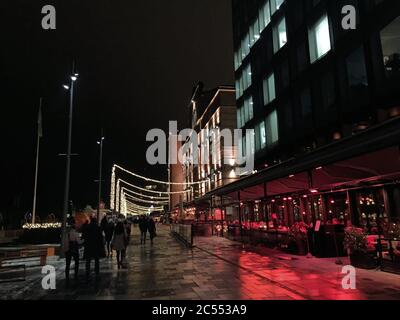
[[215, 269]]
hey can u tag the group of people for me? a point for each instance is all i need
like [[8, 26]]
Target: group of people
[[147, 225], [110, 235]]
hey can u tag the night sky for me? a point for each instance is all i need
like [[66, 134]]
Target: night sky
[[138, 62]]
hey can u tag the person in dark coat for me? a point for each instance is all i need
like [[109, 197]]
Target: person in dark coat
[[108, 232], [152, 229], [143, 226], [103, 223], [94, 246], [71, 249]]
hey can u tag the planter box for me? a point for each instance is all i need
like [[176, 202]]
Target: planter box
[[363, 260]]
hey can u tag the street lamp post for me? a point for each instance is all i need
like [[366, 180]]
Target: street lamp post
[[73, 78], [100, 176]]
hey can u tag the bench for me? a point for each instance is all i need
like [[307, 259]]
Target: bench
[[18, 254]]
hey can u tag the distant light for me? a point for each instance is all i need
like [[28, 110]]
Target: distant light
[[76, 74], [66, 87], [74, 78], [314, 191], [291, 176], [98, 142], [319, 168], [102, 138]]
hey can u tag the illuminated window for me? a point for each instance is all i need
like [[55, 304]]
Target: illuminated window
[[280, 37], [239, 118], [260, 138], [272, 129], [254, 32], [247, 77], [269, 89], [264, 16], [319, 39], [275, 5]]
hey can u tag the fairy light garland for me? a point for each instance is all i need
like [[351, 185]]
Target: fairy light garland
[[144, 196], [112, 194], [158, 181], [129, 202], [31, 226], [118, 196], [144, 201], [152, 191]]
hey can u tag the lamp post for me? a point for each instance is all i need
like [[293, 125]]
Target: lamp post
[[100, 143], [73, 78]]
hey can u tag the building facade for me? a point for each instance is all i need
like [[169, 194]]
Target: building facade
[[324, 106], [211, 113]]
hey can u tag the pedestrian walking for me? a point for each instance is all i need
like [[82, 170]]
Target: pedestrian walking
[[119, 242], [152, 229], [94, 247], [71, 244], [108, 233], [143, 226]]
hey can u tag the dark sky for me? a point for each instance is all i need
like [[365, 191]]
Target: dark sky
[[138, 62]]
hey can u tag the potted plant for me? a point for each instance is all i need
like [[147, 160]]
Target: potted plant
[[356, 244], [298, 232]]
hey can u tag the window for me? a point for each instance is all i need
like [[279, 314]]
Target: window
[[239, 118], [272, 129], [237, 87], [356, 70], [319, 39], [264, 16], [248, 105], [247, 77], [242, 116], [255, 32], [245, 113], [275, 5], [280, 37], [390, 38], [260, 136], [269, 89]]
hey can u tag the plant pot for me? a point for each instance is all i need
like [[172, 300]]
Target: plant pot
[[301, 247], [363, 260]]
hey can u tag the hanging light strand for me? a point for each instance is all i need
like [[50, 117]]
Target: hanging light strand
[[151, 191], [144, 195], [144, 201], [158, 181]]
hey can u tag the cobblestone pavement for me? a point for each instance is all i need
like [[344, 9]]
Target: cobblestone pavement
[[215, 269]]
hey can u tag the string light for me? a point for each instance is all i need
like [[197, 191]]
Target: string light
[[157, 181], [152, 191], [117, 197], [144, 201], [112, 195], [144, 195], [31, 226]]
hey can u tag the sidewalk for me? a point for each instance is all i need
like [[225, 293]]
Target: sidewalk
[[215, 269], [310, 278]]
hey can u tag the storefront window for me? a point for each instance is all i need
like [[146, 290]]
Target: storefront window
[[371, 206], [390, 39], [336, 208]]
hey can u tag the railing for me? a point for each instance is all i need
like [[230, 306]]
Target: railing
[[183, 232]]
